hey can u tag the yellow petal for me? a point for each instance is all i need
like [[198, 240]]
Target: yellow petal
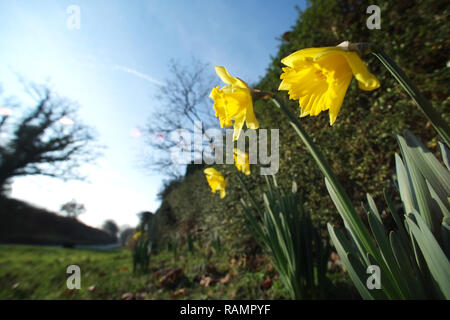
[[338, 99], [301, 54], [213, 93], [238, 124], [366, 80], [228, 78], [327, 52], [303, 112], [240, 157], [251, 121], [211, 172]]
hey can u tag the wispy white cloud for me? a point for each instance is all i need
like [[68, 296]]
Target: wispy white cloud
[[140, 75]]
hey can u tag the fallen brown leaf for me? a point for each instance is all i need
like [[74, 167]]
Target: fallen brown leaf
[[140, 296], [128, 296], [161, 272], [205, 281], [267, 283], [226, 279], [178, 293], [171, 276]]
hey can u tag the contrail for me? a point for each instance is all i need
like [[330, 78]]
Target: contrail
[[139, 74]]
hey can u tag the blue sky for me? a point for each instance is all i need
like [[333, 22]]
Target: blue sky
[[111, 66]]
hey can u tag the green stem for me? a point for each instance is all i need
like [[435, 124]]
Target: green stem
[[436, 120], [351, 217]]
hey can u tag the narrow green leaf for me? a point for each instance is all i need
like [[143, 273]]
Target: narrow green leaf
[[431, 168], [445, 152], [373, 207], [445, 228], [419, 187], [353, 266], [407, 267], [436, 260], [438, 204], [439, 124], [404, 186], [400, 222], [397, 280]]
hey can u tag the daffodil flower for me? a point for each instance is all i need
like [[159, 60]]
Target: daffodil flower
[[216, 181], [233, 102], [319, 78], [137, 235], [241, 160]]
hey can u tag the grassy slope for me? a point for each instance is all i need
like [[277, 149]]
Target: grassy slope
[[40, 273]]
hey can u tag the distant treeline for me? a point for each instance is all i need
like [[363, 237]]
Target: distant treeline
[[22, 223]]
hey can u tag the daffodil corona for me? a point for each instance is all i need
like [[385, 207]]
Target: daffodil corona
[[319, 78], [216, 181], [241, 161], [233, 102]]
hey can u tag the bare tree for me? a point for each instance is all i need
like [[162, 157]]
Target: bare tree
[[126, 234], [111, 227], [73, 209], [182, 102], [48, 140]]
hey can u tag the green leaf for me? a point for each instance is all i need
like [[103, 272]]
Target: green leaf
[[432, 170], [404, 186], [354, 266], [373, 207], [407, 266], [446, 235], [419, 187], [348, 222], [445, 154], [436, 260], [400, 223], [394, 274], [438, 204]]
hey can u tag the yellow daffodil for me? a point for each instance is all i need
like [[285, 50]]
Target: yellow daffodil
[[241, 161], [233, 102], [216, 181], [137, 235], [319, 78]]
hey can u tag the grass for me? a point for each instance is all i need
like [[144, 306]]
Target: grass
[[32, 272]]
